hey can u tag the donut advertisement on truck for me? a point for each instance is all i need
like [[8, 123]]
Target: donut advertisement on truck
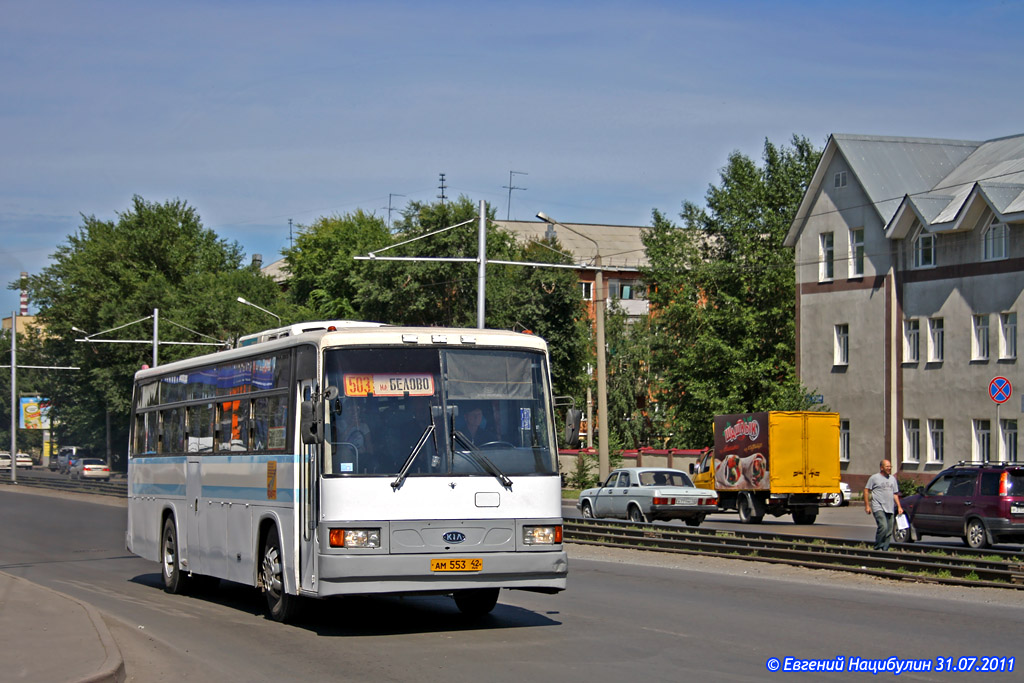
[[774, 463]]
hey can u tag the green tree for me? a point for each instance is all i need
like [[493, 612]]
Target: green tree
[[725, 294], [113, 274], [632, 424], [322, 269]]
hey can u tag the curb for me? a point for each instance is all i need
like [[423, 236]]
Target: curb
[[112, 669]]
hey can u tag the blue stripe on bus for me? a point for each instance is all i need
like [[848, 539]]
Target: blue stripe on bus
[[158, 489], [245, 493]]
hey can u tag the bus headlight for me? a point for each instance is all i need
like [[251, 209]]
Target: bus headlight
[[354, 538], [542, 535]]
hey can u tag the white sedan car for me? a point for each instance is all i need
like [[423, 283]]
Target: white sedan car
[[839, 499], [646, 494]]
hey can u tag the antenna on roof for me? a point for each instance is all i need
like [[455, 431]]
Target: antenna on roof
[[511, 187]]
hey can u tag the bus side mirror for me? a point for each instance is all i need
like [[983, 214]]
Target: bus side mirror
[[572, 427], [311, 422]]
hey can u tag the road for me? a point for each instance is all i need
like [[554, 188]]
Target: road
[[627, 615]]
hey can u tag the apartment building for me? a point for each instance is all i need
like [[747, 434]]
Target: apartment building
[[910, 276]]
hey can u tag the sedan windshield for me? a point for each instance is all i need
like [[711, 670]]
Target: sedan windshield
[[427, 411]]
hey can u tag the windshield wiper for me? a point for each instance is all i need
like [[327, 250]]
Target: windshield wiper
[[483, 460], [404, 472]]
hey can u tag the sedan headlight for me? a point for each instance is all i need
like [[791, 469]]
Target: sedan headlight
[[354, 538], [542, 535]]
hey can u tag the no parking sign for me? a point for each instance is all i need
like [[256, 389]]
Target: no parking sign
[[1000, 390]]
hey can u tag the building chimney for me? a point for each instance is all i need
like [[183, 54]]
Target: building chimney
[[257, 261]]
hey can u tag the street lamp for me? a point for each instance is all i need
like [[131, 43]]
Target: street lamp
[[602, 383], [249, 303]]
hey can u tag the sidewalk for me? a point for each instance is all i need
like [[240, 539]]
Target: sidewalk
[[47, 636]]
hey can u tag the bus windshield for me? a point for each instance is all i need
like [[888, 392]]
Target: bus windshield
[[455, 404]]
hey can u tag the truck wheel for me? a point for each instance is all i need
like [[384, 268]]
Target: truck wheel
[[747, 510], [696, 520], [805, 515]]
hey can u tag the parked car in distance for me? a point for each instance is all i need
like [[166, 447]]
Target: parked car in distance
[[647, 494], [5, 461], [841, 498], [982, 503], [24, 461], [90, 468]]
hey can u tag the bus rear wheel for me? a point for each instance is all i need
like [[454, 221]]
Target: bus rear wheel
[[174, 580], [280, 606], [476, 602]]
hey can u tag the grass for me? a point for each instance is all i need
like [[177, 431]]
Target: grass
[[570, 494]]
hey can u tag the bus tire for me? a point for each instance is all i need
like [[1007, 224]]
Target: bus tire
[[175, 580], [476, 602], [280, 606]]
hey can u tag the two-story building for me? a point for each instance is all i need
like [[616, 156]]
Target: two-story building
[[909, 275]]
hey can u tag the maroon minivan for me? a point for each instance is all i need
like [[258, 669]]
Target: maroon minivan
[[982, 503]]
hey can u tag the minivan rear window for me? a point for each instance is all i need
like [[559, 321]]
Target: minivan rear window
[[1015, 483]]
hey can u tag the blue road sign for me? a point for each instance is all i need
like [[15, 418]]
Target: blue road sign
[[1000, 390]]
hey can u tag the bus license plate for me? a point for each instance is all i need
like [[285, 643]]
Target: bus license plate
[[471, 564]]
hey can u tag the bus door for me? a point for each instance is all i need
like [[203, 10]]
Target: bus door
[[192, 526], [308, 502]]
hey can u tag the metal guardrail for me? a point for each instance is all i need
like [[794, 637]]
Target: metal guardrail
[[35, 479], [913, 562]]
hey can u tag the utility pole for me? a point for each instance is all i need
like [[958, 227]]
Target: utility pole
[[291, 242], [442, 187], [390, 195], [510, 187]]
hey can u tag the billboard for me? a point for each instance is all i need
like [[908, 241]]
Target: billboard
[[34, 413]]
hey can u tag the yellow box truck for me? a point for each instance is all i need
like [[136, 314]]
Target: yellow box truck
[[776, 463]]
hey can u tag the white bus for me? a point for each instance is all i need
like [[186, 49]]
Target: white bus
[[354, 461]]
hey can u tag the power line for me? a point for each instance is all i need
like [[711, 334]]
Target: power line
[[510, 187]]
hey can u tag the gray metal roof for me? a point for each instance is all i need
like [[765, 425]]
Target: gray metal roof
[[890, 168]]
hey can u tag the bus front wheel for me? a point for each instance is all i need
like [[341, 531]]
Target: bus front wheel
[[476, 602], [280, 605]]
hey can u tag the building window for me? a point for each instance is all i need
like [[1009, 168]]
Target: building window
[[936, 340], [857, 252], [982, 440], [924, 251], [840, 179], [912, 440], [1009, 445], [828, 266], [1007, 335], [911, 340], [844, 441], [841, 350], [936, 440], [994, 241], [979, 340], [588, 290]]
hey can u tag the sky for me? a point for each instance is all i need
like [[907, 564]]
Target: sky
[[257, 113]]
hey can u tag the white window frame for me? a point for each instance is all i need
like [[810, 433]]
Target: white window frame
[[981, 448], [912, 440], [841, 345], [936, 440], [936, 340], [995, 241], [587, 288], [857, 252], [911, 340], [844, 441], [827, 256], [980, 337], [924, 257], [1008, 440], [839, 179], [1007, 336]]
